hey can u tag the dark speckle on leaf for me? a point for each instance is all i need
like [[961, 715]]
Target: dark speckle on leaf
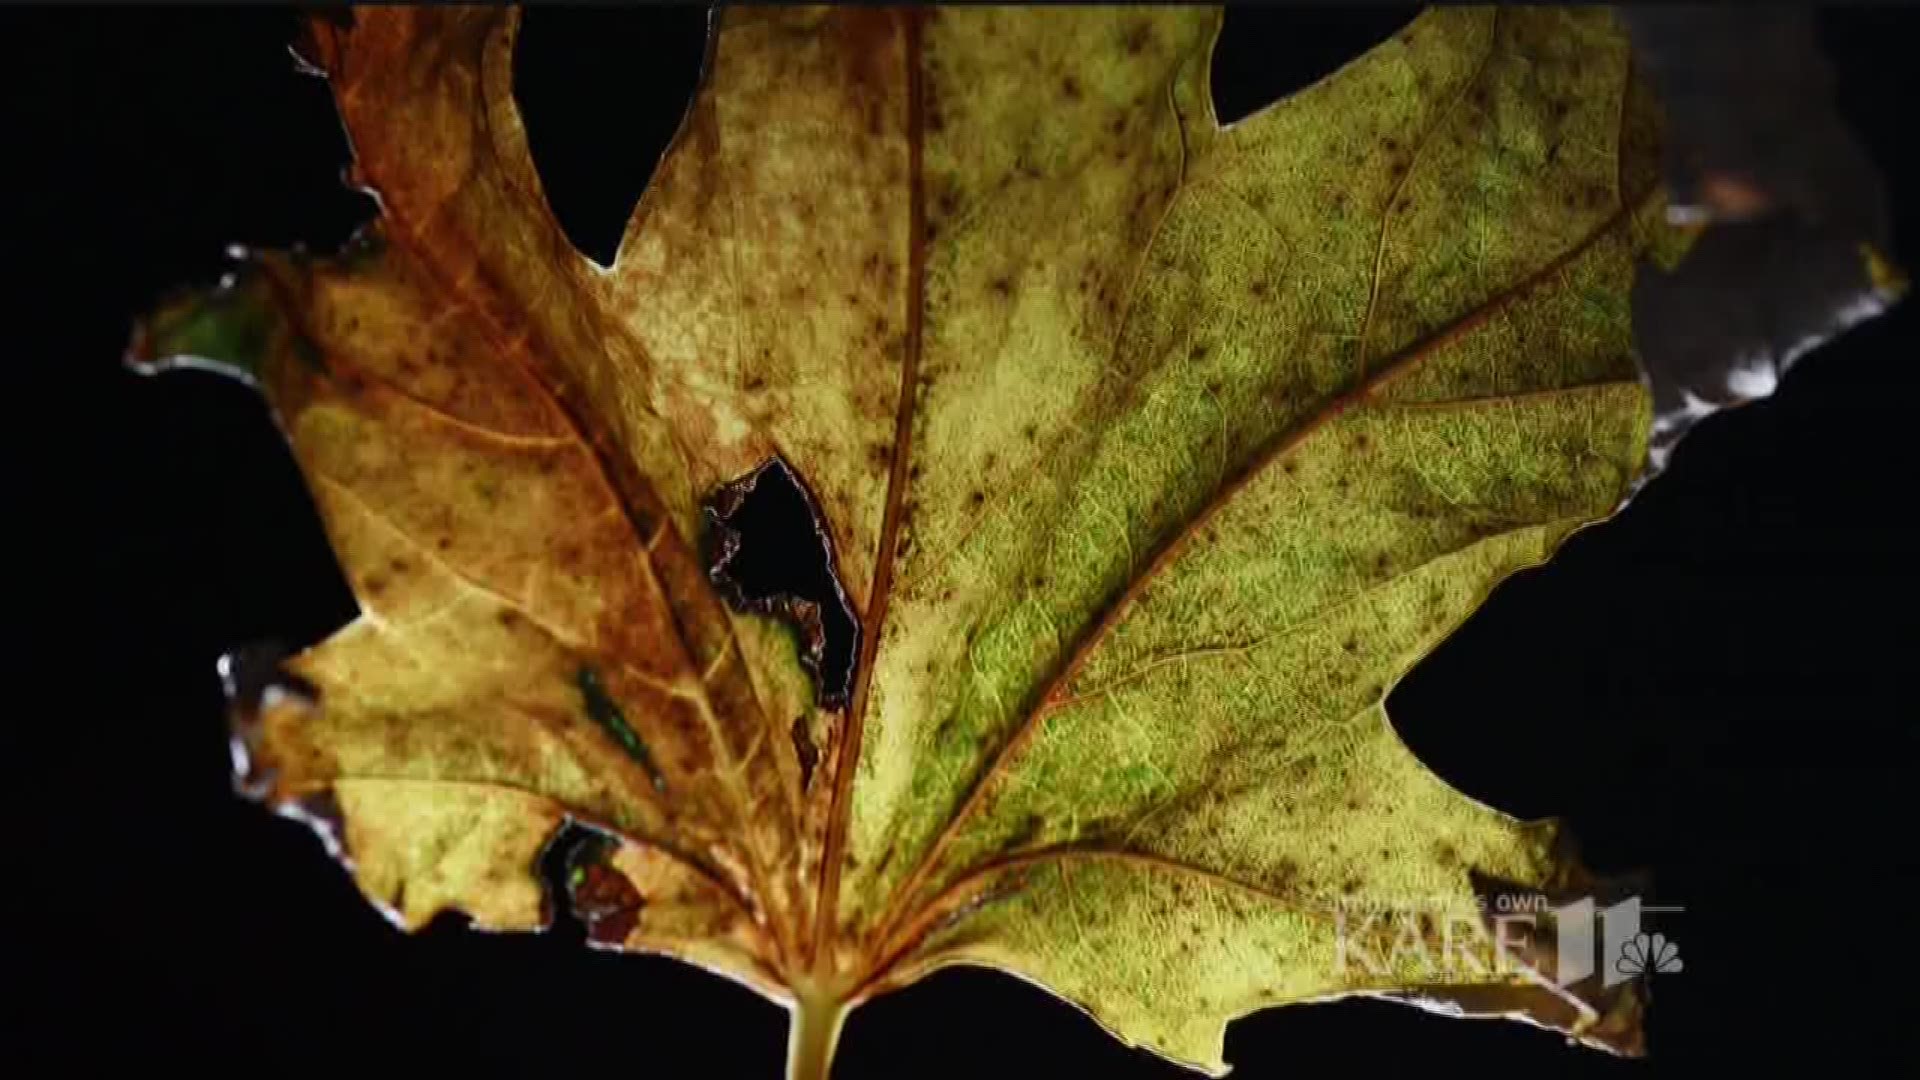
[[604, 711]]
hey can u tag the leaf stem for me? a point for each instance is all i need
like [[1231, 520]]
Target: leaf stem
[[815, 1032]]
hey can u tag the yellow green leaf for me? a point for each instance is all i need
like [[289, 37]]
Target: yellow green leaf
[[1150, 453]]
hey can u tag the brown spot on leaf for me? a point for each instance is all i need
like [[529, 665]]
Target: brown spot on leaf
[[1284, 875], [1734, 196], [605, 900], [804, 750], [1029, 828]]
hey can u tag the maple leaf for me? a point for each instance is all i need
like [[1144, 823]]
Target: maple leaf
[[1148, 453]]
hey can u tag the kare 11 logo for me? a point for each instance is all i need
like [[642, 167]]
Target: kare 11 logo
[[1504, 936]]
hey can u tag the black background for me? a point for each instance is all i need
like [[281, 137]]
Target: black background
[[1711, 686]]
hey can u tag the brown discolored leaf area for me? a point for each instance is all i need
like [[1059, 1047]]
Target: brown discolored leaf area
[[1145, 455]]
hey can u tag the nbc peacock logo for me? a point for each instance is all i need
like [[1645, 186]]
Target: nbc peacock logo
[[1649, 954]]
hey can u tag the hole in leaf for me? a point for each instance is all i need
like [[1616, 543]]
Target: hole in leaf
[[770, 553], [586, 898], [1264, 53], [553, 868], [601, 93]]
